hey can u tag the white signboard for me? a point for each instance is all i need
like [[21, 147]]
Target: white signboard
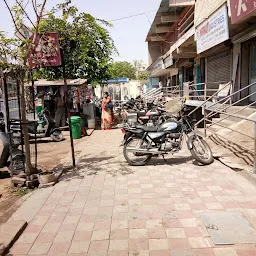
[[213, 30]]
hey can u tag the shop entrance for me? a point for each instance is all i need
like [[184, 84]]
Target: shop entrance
[[252, 69]]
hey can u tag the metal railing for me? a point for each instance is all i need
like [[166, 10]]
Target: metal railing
[[220, 107], [219, 101], [186, 23], [152, 94]]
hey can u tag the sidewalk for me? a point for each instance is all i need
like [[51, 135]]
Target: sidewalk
[[107, 208]]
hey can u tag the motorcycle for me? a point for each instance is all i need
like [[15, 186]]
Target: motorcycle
[[7, 153], [143, 142]]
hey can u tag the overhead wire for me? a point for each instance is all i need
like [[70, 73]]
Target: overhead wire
[[131, 16]]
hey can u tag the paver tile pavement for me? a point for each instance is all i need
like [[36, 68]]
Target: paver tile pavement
[[106, 207]]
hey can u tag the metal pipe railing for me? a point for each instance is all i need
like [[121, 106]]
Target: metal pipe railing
[[207, 100], [224, 118]]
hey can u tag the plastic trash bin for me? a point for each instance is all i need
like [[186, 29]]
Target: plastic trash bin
[[76, 127], [39, 108]]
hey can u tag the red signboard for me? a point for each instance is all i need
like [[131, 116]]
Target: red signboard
[[240, 9], [46, 52]]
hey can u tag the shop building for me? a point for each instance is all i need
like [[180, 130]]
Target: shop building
[[171, 47], [204, 41], [243, 15]]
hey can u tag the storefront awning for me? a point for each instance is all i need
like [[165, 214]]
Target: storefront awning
[[162, 67], [164, 72], [70, 82]]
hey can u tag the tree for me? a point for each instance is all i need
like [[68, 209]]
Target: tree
[[142, 76], [16, 53], [122, 69], [85, 42]]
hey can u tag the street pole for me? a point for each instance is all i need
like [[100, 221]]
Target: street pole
[[68, 110], [7, 116], [33, 93]]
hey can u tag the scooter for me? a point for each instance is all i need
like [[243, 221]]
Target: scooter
[[49, 128]]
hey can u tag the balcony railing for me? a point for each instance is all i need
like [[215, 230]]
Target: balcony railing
[[186, 23]]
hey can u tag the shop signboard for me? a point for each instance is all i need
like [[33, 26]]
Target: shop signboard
[[168, 62], [46, 52], [157, 65], [213, 30], [240, 9], [118, 80]]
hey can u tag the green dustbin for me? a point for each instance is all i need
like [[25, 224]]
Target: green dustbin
[[76, 127], [39, 108]]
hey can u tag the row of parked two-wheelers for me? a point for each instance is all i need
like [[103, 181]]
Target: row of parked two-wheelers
[[154, 132], [11, 153]]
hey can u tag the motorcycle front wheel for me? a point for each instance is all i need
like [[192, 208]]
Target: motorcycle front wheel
[[201, 151], [57, 136], [134, 158]]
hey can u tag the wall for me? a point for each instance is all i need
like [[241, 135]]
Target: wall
[[134, 89], [155, 50], [153, 82], [204, 8]]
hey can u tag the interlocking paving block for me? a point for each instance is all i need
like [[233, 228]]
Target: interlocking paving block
[[9, 233], [229, 228]]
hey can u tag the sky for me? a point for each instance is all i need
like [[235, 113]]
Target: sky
[[129, 34]]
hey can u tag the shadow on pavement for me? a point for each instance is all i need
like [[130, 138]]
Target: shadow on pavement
[[171, 161], [88, 166]]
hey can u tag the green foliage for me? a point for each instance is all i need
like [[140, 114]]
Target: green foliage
[[142, 76], [18, 191], [122, 69], [85, 41]]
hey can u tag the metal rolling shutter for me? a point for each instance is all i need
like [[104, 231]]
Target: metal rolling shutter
[[218, 67]]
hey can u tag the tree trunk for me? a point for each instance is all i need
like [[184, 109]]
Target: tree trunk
[[29, 167]]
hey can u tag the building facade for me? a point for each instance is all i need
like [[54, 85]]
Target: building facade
[[204, 41]]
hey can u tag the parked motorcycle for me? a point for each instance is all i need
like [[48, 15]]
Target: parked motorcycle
[[7, 153], [144, 142]]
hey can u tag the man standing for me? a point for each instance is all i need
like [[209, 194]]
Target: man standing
[[60, 110]]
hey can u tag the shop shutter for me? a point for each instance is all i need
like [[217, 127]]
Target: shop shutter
[[219, 67]]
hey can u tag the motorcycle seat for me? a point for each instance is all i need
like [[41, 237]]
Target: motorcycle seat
[[146, 128], [141, 113]]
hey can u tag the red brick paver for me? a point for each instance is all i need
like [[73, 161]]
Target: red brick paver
[[109, 208]]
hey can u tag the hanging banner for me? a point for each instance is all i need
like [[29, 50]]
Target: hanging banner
[[46, 52], [213, 30]]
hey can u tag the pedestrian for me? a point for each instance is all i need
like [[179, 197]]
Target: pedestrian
[[60, 110], [106, 116]]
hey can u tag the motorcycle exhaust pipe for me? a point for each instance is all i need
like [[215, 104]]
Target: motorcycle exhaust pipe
[[153, 151]]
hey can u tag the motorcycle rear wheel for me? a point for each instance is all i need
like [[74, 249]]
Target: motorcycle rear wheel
[[138, 158], [202, 154]]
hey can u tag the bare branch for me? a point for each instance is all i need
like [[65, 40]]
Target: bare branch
[[39, 17], [13, 19], [34, 7], [20, 5]]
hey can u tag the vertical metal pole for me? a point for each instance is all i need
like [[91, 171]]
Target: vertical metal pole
[[254, 169], [33, 93], [21, 131], [6, 105], [68, 111], [205, 98], [7, 118]]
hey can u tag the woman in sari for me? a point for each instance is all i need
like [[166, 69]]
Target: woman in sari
[[106, 117]]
